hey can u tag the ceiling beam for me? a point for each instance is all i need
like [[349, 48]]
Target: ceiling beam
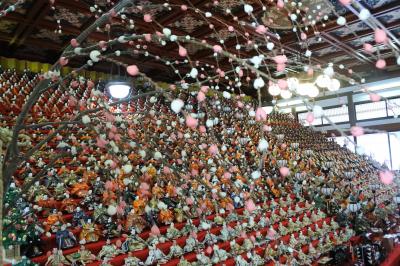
[[33, 15], [350, 18], [351, 37], [345, 48]]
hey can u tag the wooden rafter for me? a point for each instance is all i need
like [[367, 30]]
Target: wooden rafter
[[24, 29]]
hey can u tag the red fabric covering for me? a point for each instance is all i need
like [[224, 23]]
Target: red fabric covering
[[394, 258]]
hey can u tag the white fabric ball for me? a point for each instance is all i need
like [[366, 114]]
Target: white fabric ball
[[111, 210]]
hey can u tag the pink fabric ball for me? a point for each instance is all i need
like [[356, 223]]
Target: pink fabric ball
[[386, 177], [147, 18], [284, 171], [191, 122], [182, 51], [357, 131], [380, 36], [132, 70], [381, 64]]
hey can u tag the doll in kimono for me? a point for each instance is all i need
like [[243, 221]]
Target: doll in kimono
[[65, 239]]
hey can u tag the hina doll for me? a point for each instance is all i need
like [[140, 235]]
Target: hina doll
[[191, 244], [166, 216], [133, 242], [80, 189], [210, 239], [235, 248], [52, 221], [224, 234], [111, 228], [179, 214], [172, 232], [65, 239], [82, 257], [255, 259], [189, 227], [56, 259], [219, 255], [90, 232], [109, 250], [136, 221], [202, 260], [175, 250], [247, 244], [155, 256], [184, 262], [79, 217], [240, 261], [132, 260]]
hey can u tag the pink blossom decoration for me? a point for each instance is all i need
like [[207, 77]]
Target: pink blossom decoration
[[132, 70], [381, 63], [201, 96], [368, 48], [182, 51], [63, 61], [380, 36], [213, 150], [345, 2], [261, 115], [386, 177], [280, 4], [374, 97], [191, 122], [310, 117], [284, 171], [217, 48], [356, 131], [147, 18]]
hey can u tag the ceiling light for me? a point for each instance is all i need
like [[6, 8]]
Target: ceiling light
[[323, 81], [293, 83], [274, 90], [118, 89], [312, 91], [286, 94], [302, 88], [334, 85]]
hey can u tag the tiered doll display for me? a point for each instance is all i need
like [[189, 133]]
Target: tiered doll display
[[138, 184]]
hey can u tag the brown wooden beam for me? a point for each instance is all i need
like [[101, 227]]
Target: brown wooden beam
[[33, 15]]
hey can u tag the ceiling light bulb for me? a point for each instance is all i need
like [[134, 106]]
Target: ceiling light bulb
[[119, 90]]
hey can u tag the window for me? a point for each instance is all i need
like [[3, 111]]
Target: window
[[395, 149], [371, 110], [394, 107], [344, 141], [336, 115], [303, 116], [376, 146]]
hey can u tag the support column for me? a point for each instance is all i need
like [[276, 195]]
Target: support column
[[352, 112]]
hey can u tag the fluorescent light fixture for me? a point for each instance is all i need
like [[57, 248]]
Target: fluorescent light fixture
[[118, 89], [381, 85], [268, 109], [289, 103]]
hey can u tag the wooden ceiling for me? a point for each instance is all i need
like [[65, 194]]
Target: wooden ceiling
[[31, 33]]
